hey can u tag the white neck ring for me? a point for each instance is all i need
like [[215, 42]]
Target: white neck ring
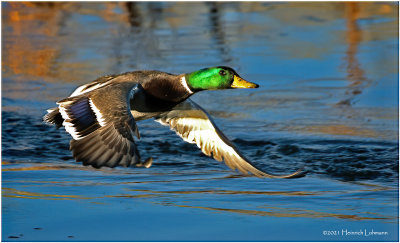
[[184, 83]]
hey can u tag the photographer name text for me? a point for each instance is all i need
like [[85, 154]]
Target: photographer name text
[[346, 232]]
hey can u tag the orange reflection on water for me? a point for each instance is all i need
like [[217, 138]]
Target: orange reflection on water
[[11, 192], [355, 74], [341, 129], [33, 28], [263, 211], [187, 197], [290, 213], [24, 58], [21, 55]]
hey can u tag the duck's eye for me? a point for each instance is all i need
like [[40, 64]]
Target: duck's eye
[[222, 72]]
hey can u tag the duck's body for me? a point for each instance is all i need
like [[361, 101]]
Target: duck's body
[[101, 116]]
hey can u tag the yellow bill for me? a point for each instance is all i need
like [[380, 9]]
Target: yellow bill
[[238, 82]]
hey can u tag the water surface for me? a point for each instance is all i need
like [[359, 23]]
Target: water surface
[[328, 101]]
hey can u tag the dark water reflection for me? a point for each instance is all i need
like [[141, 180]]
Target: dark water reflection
[[328, 75]]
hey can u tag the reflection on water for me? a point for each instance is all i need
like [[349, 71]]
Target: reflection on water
[[189, 198], [328, 95], [280, 212], [355, 73], [10, 192]]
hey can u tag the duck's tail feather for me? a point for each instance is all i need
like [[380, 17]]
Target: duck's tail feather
[[53, 117]]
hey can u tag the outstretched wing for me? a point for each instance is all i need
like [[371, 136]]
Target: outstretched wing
[[102, 126], [194, 125], [53, 115]]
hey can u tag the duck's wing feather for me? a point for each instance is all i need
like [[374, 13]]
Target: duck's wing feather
[[102, 126], [194, 125], [96, 84]]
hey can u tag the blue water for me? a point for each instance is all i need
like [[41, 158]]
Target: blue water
[[328, 101]]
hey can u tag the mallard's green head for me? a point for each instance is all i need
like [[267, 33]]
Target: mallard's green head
[[216, 78]]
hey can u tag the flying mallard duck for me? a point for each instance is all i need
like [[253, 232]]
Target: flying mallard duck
[[101, 116]]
